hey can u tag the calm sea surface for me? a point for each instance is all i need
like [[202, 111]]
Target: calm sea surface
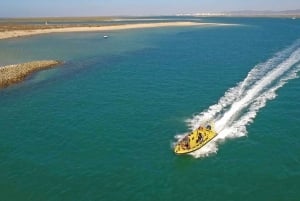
[[101, 126]]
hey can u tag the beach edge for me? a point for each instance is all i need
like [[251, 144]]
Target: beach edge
[[23, 33]]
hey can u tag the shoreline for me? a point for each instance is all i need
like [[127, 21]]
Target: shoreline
[[15, 73], [31, 32]]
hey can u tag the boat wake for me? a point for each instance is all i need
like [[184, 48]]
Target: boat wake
[[240, 104]]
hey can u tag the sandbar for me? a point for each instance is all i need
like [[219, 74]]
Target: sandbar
[[11, 74], [29, 32]]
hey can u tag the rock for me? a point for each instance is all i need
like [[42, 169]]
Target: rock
[[17, 72]]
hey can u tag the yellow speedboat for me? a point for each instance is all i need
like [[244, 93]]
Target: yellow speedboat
[[195, 140]]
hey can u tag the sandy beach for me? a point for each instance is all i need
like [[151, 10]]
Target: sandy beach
[[11, 74], [4, 34]]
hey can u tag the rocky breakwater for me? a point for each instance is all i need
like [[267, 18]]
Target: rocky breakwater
[[17, 72]]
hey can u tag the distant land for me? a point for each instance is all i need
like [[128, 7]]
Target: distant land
[[91, 19], [248, 13]]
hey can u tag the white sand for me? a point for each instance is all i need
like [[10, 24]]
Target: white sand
[[20, 33]]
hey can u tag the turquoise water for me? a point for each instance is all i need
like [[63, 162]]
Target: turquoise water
[[101, 126]]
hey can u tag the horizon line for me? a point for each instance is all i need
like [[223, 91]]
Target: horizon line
[[203, 13]]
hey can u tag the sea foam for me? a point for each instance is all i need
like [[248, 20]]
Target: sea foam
[[240, 104]]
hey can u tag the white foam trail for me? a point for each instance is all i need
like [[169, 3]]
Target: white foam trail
[[240, 104]]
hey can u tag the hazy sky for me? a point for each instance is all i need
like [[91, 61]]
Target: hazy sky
[[41, 8]]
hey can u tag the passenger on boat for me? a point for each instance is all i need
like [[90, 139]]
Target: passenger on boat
[[185, 143], [200, 138]]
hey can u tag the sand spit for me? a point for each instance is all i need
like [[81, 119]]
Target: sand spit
[[45, 30], [17, 72]]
